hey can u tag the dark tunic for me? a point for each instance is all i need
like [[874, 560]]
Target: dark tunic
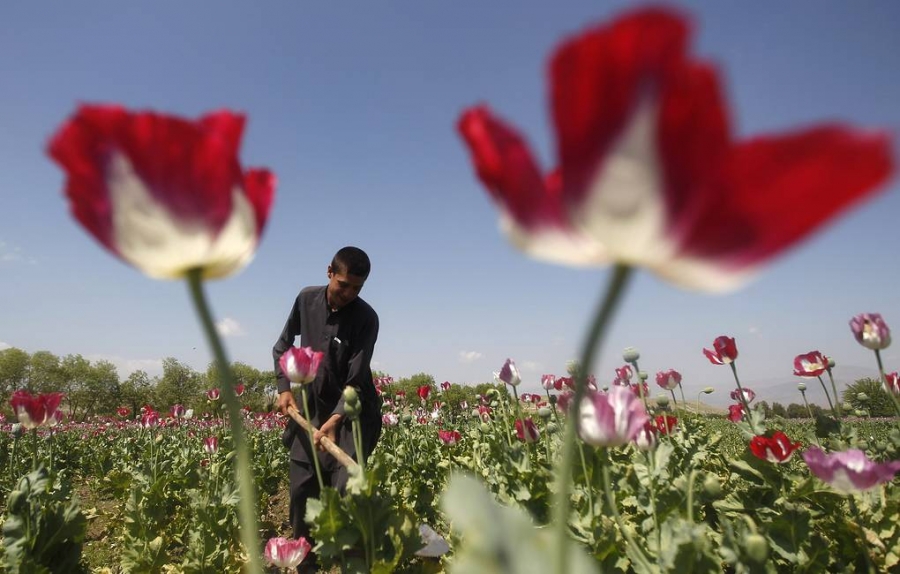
[[347, 338]]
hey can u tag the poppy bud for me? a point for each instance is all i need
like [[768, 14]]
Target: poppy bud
[[757, 547]]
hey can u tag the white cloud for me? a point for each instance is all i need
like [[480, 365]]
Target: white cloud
[[753, 330], [13, 254], [531, 366], [469, 356], [4, 345], [229, 327]]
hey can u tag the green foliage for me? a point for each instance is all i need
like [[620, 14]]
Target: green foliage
[[44, 527], [878, 402]]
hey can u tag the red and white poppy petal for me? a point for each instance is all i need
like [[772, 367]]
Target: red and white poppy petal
[[531, 213], [164, 245], [259, 185], [599, 79], [774, 191]]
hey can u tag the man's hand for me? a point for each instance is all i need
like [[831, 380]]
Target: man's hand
[[329, 429], [285, 401]]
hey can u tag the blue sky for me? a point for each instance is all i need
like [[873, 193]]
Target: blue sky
[[354, 105]]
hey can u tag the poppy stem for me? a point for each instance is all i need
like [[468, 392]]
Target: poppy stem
[[743, 398], [884, 383], [827, 396], [243, 469], [837, 399], [618, 281], [312, 439]]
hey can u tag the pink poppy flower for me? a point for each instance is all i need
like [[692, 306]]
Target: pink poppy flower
[[211, 444], [423, 391], [390, 419], [285, 553], [646, 438], [811, 364], [749, 395], [668, 380], [649, 171], [724, 351], [849, 471], [239, 389], [177, 411], [736, 413], [212, 394], [300, 364], [150, 419], [777, 448], [445, 386], [449, 437], [33, 411], [871, 331], [548, 382], [123, 412], [526, 430], [623, 375], [164, 194], [484, 412], [665, 423], [611, 419], [509, 374]]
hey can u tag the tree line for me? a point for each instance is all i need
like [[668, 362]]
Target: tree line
[[94, 388]]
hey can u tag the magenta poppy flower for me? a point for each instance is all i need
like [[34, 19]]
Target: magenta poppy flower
[[668, 380], [892, 383], [777, 448], [724, 351], [286, 553], [623, 375], [485, 412], [611, 419], [213, 394], [445, 386], [871, 331], [300, 364], [390, 419], [163, 193], [548, 382], [665, 423], [849, 471], [736, 413], [811, 364], [211, 444], [509, 374], [526, 430], [564, 382], [123, 412], [239, 389], [177, 411], [423, 391], [646, 438], [33, 411], [149, 419], [749, 395], [649, 172], [449, 437], [640, 388]]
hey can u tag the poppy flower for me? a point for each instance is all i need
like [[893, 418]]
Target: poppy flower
[[665, 423], [163, 193], [811, 364], [35, 410], [526, 430], [613, 418], [736, 413], [509, 374], [777, 448], [724, 351], [668, 380], [449, 437], [300, 364], [871, 331], [849, 471], [286, 553], [649, 171]]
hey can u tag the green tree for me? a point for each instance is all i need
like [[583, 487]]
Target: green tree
[[14, 371], [180, 384], [256, 383], [136, 391], [877, 400], [76, 373], [46, 374], [778, 410]]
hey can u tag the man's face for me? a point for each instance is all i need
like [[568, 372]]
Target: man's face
[[342, 288]]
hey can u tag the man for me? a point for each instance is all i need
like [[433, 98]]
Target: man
[[334, 320]]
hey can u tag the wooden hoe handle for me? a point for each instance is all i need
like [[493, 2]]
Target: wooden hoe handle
[[333, 449]]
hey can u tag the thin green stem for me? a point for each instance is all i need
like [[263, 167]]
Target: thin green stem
[[690, 495], [611, 500], [243, 469], [312, 438], [837, 398], [589, 482], [615, 288], [825, 389], [885, 385], [684, 402]]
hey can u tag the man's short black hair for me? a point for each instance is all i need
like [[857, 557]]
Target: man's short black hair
[[351, 261]]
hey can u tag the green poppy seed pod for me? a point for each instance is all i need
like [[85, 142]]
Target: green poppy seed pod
[[605, 388], [643, 375], [351, 397], [17, 430], [860, 413], [544, 413], [862, 445], [862, 397], [484, 427], [801, 387], [662, 401], [709, 390], [552, 428], [847, 407], [630, 354], [351, 410], [407, 417], [757, 547], [712, 486], [495, 404], [490, 393], [830, 363]]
